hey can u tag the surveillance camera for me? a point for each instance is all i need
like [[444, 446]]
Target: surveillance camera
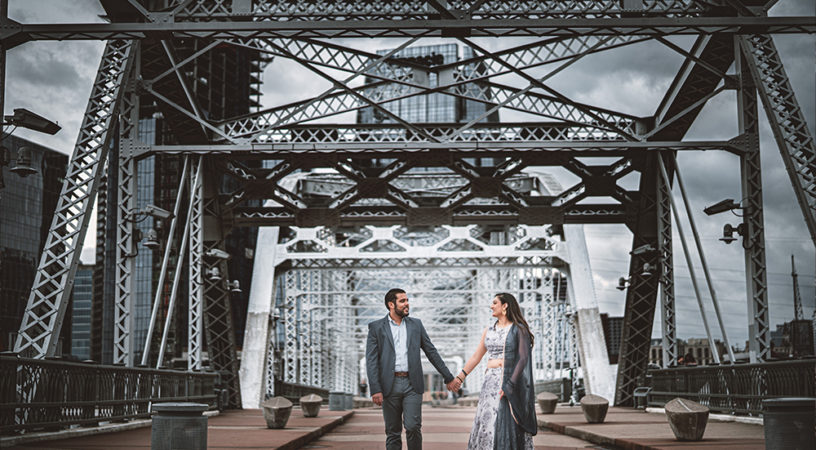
[[157, 212], [218, 253]]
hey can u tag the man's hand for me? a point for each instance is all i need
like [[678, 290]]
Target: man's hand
[[377, 398], [454, 385]]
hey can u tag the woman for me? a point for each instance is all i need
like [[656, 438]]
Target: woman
[[505, 417]]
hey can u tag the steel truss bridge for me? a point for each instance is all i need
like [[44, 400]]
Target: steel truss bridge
[[364, 194]]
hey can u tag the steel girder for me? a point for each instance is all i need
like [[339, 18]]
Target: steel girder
[[124, 347], [52, 285], [218, 320], [16, 33], [787, 121], [641, 295], [195, 317], [665, 270], [759, 329]]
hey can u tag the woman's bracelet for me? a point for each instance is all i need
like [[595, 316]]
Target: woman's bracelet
[[463, 371], [457, 377]]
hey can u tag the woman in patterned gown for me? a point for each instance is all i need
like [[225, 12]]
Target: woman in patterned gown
[[505, 417]]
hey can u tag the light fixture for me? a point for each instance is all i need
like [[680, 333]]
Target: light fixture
[[722, 206], [622, 283], [217, 253], [643, 250], [152, 239], [728, 232], [235, 287], [213, 274], [647, 270], [27, 119], [23, 165]]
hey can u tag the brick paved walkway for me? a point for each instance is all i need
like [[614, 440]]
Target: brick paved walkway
[[442, 429]]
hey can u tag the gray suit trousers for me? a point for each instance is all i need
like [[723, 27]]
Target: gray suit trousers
[[403, 406]]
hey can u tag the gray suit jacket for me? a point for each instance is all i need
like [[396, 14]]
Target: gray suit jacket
[[380, 356]]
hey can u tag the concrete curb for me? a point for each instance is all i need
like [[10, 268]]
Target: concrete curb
[[302, 440], [719, 417], [580, 434], [39, 436]]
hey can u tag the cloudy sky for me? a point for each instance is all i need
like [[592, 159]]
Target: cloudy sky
[[54, 79]]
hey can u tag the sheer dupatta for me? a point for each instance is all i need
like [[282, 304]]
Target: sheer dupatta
[[516, 413]]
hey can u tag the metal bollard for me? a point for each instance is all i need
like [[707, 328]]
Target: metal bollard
[[336, 401], [789, 423], [179, 426]]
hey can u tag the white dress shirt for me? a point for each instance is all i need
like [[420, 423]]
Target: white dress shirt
[[400, 335]]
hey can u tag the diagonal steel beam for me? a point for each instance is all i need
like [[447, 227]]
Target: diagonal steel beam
[[787, 121], [48, 301]]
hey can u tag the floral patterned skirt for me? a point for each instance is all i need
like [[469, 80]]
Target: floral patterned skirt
[[484, 424]]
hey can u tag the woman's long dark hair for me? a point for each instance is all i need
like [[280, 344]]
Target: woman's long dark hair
[[514, 313]]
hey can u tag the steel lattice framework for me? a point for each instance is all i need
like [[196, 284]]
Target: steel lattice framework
[[329, 286], [371, 175]]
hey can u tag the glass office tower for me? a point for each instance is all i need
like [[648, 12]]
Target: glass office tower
[[26, 208], [436, 107]]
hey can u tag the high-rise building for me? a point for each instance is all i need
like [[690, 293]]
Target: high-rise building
[[436, 107], [613, 332], [27, 205], [81, 299]]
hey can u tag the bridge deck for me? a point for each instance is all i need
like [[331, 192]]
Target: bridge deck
[[628, 428], [443, 429]]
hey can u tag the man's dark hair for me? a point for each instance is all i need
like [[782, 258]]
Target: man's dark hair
[[391, 297]]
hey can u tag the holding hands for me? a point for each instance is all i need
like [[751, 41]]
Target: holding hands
[[454, 385], [457, 381]]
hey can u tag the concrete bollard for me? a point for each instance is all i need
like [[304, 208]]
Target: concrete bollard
[[789, 423], [547, 401], [594, 408], [276, 412], [348, 401], [336, 401], [178, 426], [310, 405], [687, 419]]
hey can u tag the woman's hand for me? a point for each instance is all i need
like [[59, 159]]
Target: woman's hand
[[501, 393]]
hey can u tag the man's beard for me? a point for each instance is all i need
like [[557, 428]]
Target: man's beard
[[401, 312]]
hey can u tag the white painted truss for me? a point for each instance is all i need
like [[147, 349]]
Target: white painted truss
[[328, 284]]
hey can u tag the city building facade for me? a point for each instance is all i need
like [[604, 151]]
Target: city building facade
[[613, 332], [27, 205], [81, 300]]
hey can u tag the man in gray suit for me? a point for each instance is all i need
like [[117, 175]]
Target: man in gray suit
[[395, 371]]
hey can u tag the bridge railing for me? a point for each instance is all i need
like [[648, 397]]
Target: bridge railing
[[54, 394], [733, 389]]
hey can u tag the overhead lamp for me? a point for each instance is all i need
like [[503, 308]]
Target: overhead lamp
[[729, 230], [27, 119], [235, 287], [623, 283], [217, 253], [23, 165], [722, 206], [152, 239], [647, 270], [643, 250], [213, 274]]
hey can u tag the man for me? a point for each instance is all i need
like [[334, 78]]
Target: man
[[395, 371]]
